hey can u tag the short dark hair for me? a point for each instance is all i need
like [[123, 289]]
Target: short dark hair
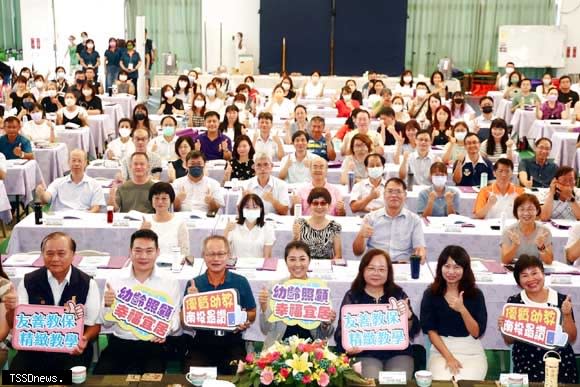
[[125, 120], [361, 137], [524, 198], [381, 157], [159, 188], [362, 111], [256, 199], [485, 97], [194, 154], [298, 245], [168, 118], [139, 154], [396, 180], [265, 116], [564, 170], [182, 139], [424, 131], [505, 162], [565, 77], [438, 166], [539, 140], [318, 119], [58, 234], [10, 119], [215, 237], [470, 134], [319, 192], [525, 262], [144, 234], [387, 111], [211, 113], [299, 133]]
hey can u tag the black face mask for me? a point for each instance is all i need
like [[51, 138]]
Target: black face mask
[[28, 105], [139, 116], [487, 109], [458, 100], [80, 81]]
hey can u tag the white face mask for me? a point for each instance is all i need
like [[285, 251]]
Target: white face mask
[[69, 102], [198, 103], [87, 92], [183, 84], [60, 75], [347, 97], [250, 85], [51, 93], [124, 132], [168, 94], [509, 70], [252, 214], [460, 136], [241, 106], [36, 116], [375, 172], [397, 108], [439, 181], [191, 78], [122, 78], [286, 86], [39, 85], [210, 92], [421, 92], [407, 79]]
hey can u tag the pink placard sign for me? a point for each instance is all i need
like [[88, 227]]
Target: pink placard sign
[[375, 326], [46, 328]]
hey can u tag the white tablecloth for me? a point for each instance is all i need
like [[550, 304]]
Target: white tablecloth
[[77, 139], [522, 121], [546, 128], [53, 161], [577, 160], [503, 110], [5, 209], [113, 113], [21, 180], [564, 148], [101, 128], [497, 96], [483, 242], [127, 103]]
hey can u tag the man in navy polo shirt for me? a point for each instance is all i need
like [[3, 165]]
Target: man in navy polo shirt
[[13, 145], [469, 167], [210, 348], [213, 144], [538, 171]]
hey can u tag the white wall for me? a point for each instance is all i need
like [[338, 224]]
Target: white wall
[[235, 15], [569, 17], [100, 19]]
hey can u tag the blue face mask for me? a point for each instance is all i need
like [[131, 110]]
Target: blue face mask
[[168, 131], [196, 171]]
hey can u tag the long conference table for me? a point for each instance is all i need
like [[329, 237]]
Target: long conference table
[[495, 287]]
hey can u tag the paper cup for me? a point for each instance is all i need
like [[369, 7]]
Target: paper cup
[[423, 378], [79, 374]]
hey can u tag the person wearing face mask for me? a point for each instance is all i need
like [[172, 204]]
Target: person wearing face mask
[[170, 104], [194, 86], [38, 129], [14, 100], [196, 192], [183, 89], [513, 87], [80, 80], [250, 236], [288, 87], [280, 107], [195, 115], [164, 144], [367, 194], [130, 63], [405, 87], [543, 88], [498, 144], [439, 199], [122, 146], [456, 145], [398, 105], [89, 57], [503, 80], [39, 87], [92, 78], [497, 199], [72, 113], [461, 110], [124, 85], [89, 101], [61, 83], [314, 87], [141, 120], [418, 106], [112, 62], [52, 102], [346, 104], [213, 103], [482, 123], [244, 115], [552, 109], [419, 162], [28, 102]]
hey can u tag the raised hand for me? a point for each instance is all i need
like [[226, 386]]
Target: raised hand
[[366, 230], [197, 145], [145, 225], [456, 303], [567, 306], [296, 228], [10, 299], [192, 289], [109, 295], [263, 298]]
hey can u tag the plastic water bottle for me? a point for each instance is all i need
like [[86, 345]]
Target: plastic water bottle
[[176, 263], [483, 180], [114, 87], [350, 180], [410, 181], [298, 210]]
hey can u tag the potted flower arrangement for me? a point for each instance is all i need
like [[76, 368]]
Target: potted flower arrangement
[[298, 362]]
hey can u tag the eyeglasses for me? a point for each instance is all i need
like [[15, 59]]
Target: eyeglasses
[[544, 148], [527, 209], [394, 192], [262, 165], [218, 254], [318, 203], [376, 270]]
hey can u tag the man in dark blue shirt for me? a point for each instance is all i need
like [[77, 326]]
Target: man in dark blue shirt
[[469, 167], [213, 144], [13, 145], [538, 171], [215, 348]]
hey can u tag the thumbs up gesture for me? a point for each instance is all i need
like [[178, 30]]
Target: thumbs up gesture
[[145, 225], [263, 298], [366, 230], [404, 308], [18, 150], [197, 145], [182, 195], [567, 306], [192, 289], [10, 299], [40, 190], [456, 303], [77, 309], [109, 295]]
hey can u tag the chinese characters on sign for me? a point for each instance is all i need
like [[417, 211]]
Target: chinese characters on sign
[[535, 325], [46, 328], [145, 312], [212, 310], [303, 302], [375, 326]]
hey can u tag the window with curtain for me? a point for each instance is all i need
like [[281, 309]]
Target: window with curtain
[[10, 25], [466, 30], [173, 25]]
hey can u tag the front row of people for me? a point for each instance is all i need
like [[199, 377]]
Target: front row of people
[[453, 312]]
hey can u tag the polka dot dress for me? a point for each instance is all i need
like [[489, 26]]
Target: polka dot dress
[[242, 171]]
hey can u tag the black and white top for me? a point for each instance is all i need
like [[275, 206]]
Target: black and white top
[[242, 171], [321, 242]]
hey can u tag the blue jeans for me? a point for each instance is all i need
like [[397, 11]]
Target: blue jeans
[[112, 74]]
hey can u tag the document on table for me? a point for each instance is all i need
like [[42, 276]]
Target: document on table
[[20, 260], [95, 261]]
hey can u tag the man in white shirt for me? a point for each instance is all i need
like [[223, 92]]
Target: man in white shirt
[[76, 191], [419, 162], [363, 122], [141, 139], [272, 191], [196, 191], [367, 194], [58, 283], [264, 142], [125, 353], [296, 166]]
